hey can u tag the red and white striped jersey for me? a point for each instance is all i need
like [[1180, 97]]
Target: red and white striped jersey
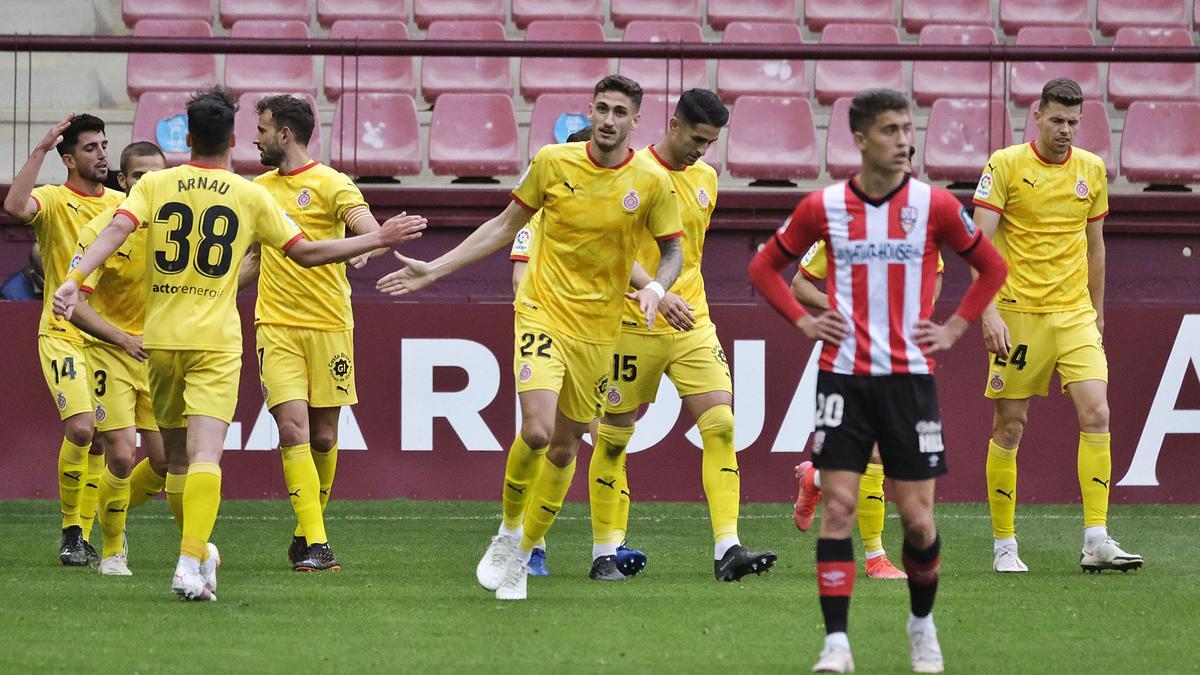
[[883, 256]]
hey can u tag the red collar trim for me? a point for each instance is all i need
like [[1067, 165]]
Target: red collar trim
[[302, 169], [661, 161], [1033, 144], [84, 194], [588, 151], [206, 166]]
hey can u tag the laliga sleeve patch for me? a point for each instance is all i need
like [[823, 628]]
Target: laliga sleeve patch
[[984, 189]]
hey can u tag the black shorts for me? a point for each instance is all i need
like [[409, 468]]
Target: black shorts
[[899, 412]]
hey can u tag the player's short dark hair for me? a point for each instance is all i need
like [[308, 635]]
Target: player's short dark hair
[[870, 104], [584, 134], [139, 149], [1061, 90], [291, 112], [701, 106], [622, 84], [79, 124], [210, 115]]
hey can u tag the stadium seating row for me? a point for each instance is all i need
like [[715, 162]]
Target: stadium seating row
[[1127, 82], [769, 138], [1110, 15]]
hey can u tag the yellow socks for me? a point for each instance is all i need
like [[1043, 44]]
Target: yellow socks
[[546, 497], [326, 463], [719, 471], [604, 484], [520, 473], [144, 484], [114, 507], [871, 508], [1002, 490], [91, 494], [175, 483], [1095, 472], [72, 472], [304, 487], [201, 499], [621, 526]]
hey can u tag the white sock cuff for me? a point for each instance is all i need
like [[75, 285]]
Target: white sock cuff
[[723, 545], [511, 533], [1000, 542], [601, 550]]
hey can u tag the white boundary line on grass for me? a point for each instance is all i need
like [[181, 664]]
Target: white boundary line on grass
[[496, 516]]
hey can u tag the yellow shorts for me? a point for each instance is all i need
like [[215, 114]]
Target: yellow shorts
[[1068, 342], [64, 366], [694, 360], [307, 365], [193, 382], [122, 388], [576, 370]]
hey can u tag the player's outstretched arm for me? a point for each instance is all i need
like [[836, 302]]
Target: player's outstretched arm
[[996, 337], [106, 243], [359, 220], [394, 232], [485, 240], [19, 202], [807, 292], [670, 264], [248, 269], [86, 319], [1095, 258]]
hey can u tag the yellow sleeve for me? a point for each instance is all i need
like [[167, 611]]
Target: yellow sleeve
[[1100, 204], [137, 203], [941, 263], [344, 195], [814, 262], [531, 186], [273, 227], [46, 197], [663, 220], [992, 190], [522, 246]]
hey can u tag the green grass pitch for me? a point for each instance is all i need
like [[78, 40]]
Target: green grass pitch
[[407, 601]]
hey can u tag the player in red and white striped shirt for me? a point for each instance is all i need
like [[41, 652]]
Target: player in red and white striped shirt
[[882, 231]]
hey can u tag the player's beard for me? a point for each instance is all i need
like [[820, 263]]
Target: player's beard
[[94, 174], [270, 156], [619, 142]]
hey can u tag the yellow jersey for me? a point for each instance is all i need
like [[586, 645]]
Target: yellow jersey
[[318, 198], [61, 213], [118, 285], [696, 194], [1044, 211], [200, 221], [592, 223], [815, 264]]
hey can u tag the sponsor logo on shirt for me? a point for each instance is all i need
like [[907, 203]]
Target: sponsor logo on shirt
[[861, 253]]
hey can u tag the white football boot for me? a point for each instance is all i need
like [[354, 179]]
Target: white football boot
[[1107, 555], [835, 658], [514, 584], [115, 565], [189, 585], [1006, 559], [491, 568], [925, 650], [208, 568]]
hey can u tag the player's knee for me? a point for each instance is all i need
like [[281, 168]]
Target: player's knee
[[920, 530], [291, 431], [323, 440], [535, 434], [79, 430], [1093, 418], [717, 421], [1008, 428], [158, 465], [561, 456], [120, 460]]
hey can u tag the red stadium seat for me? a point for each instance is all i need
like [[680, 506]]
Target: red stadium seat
[[161, 118], [916, 14], [932, 80], [546, 110], [834, 79], [650, 73], [330, 12], [133, 11], [738, 77], [473, 135], [653, 122], [170, 72], [772, 138], [960, 136], [1129, 82], [525, 12], [723, 12], [382, 74], [546, 75], [270, 72], [842, 157], [1017, 14], [245, 126], [1160, 145], [1093, 134], [820, 13], [625, 11], [1111, 15], [463, 74], [233, 11], [1028, 77], [376, 135], [426, 12]]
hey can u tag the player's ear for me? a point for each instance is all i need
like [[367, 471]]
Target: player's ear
[[637, 117], [188, 139], [860, 139], [123, 181], [232, 139]]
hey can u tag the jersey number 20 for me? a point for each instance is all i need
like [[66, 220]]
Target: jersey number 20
[[214, 251]]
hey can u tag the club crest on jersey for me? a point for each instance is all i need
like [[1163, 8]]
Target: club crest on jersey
[[908, 218], [1081, 188], [340, 367], [101, 413], [984, 189], [614, 395], [997, 382], [631, 201], [62, 401], [304, 198], [702, 198], [526, 372]]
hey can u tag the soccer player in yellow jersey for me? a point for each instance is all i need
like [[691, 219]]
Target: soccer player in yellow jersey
[[596, 199], [201, 218], [1044, 204], [872, 506], [111, 314], [304, 322], [57, 212], [685, 348]]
